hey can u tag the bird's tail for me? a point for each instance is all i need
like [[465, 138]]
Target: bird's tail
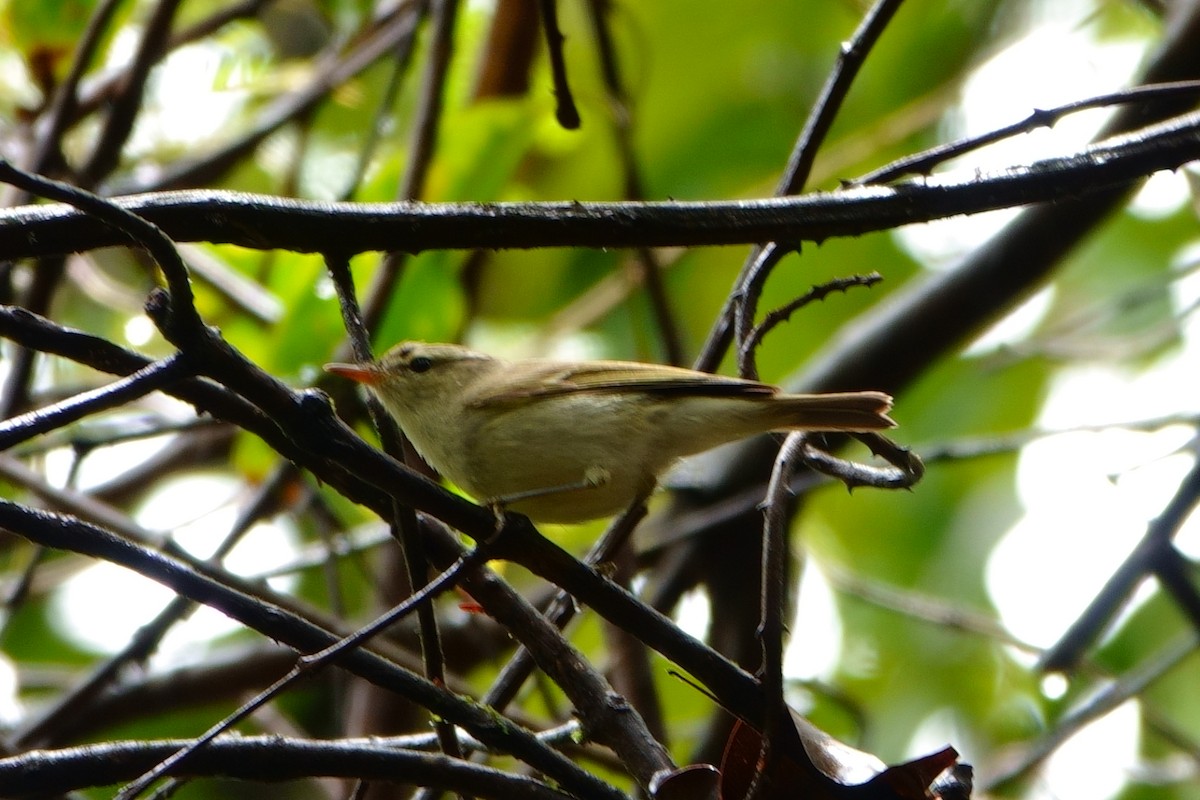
[[840, 411]]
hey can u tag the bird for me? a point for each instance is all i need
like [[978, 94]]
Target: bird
[[571, 441]]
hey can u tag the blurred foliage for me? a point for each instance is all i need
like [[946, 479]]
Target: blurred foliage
[[717, 94]]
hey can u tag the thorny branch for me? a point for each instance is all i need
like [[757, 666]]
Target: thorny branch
[[260, 221]]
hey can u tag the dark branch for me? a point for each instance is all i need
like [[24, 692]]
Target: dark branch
[[263, 758], [266, 222], [67, 533]]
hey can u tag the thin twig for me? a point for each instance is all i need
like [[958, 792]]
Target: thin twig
[[384, 109], [923, 163], [422, 144], [403, 518], [776, 317], [851, 58], [649, 268], [563, 607], [564, 108], [906, 466], [397, 27], [780, 505], [748, 294], [48, 144], [984, 447], [306, 666], [606, 717], [153, 377], [837, 85], [1116, 591], [1102, 702], [123, 110], [69, 706], [429, 110], [144, 233], [96, 95]]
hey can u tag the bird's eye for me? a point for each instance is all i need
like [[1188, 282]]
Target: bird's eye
[[420, 364]]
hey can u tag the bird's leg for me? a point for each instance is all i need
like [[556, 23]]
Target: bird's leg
[[593, 478]]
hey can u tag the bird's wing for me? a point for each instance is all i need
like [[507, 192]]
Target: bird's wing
[[552, 379]]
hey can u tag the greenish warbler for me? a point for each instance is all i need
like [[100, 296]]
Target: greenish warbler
[[568, 441]]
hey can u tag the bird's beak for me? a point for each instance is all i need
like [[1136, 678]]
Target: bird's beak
[[360, 373]]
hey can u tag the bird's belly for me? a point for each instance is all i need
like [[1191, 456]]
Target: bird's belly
[[605, 451], [576, 505]]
